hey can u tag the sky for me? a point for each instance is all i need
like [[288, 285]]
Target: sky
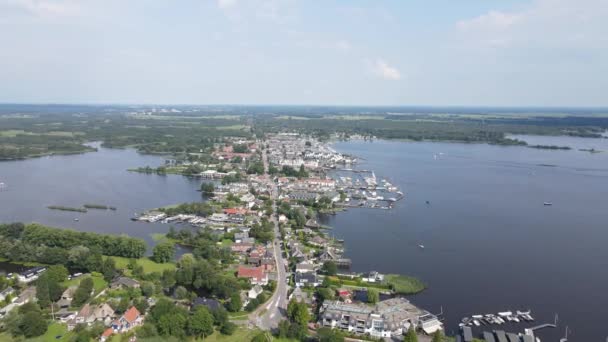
[[307, 52]]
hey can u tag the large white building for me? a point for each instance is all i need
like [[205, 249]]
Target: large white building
[[388, 318]]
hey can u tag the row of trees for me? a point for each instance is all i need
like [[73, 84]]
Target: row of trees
[[39, 235]]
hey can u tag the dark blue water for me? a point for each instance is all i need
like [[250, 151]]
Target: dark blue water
[[490, 243], [97, 177]]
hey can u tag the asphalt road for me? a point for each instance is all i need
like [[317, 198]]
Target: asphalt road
[[268, 316]]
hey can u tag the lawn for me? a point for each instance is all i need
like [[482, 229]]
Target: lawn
[[54, 330], [241, 334], [148, 265], [98, 282]]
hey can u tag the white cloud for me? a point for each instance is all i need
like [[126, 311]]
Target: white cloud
[[343, 45], [382, 69], [226, 4], [41, 8], [543, 23], [491, 20]]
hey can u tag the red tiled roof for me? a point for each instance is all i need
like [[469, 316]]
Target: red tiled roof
[[107, 332], [131, 314], [251, 272]]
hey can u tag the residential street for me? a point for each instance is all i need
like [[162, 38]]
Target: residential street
[[269, 315]]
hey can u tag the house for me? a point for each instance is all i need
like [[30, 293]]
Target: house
[[372, 277], [31, 274], [106, 334], [306, 279], [345, 295], [317, 241], [124, 282], [9, 291], [241, 247], [238, 237], [66, 297], [300, 296], [256, 275], [255, 291], [312, 224], [211, 304], [89, 314], [130, 319], [305, 267]]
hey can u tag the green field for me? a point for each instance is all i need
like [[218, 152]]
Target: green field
[[98, 282], [148, 265], [51, 334]]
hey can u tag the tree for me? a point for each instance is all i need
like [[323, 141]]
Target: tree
[[298, 312], [372, 296], [181, 292], [235, 304], [163, 252], [261, 337], [83, 292], [411, 335], [283, 329], [330, 268], [123, 305], [57, 273], [172, 325], [108, 269], [201, 322], [168, 278], [33, 324], [47, 290], [228, 328], [207, 188], [148, 289], [141, 305], [438, 336]]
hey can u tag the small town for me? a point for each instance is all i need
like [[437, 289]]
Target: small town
[[259, 222], [256, 261]]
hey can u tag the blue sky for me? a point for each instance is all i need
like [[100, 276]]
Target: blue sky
[[401, 52]]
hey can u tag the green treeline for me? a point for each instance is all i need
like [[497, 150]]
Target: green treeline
[[62, 208], [35, 242]]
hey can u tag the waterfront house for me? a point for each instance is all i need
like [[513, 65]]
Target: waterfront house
[[318, 241], [372, 277], [31, 274], [388, 318]]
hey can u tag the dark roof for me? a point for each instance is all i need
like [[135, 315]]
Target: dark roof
[[306, 277], [124, 281], [467, 334], [212, 304], [500, 335], [488, 336]]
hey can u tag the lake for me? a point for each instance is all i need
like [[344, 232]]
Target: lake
[[97, 177], [490, 243]]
